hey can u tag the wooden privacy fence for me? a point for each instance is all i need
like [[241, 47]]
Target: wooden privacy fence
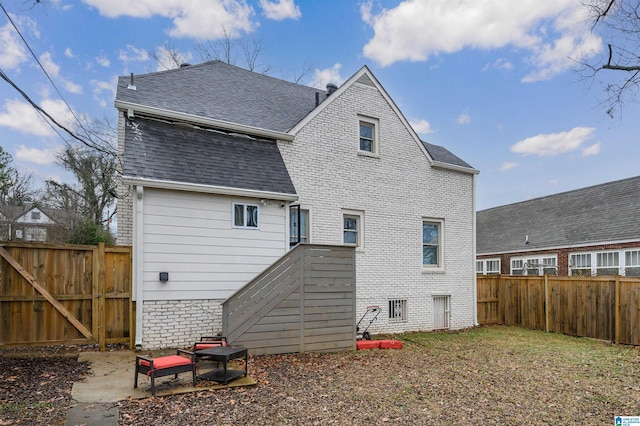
[[304, 302], [605, 308], [62, 294]]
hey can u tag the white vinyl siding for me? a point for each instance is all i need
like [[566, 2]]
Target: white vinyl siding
[[206, 257]]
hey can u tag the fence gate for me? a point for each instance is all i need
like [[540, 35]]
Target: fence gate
[[65, 294]]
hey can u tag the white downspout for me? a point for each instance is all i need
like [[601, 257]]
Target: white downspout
[[473, 263], [138, 257]]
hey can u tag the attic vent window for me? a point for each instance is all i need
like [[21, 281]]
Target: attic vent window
[[35, 215]]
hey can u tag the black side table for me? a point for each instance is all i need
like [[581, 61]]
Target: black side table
[[224, 354]]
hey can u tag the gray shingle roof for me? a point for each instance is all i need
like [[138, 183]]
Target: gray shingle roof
[[443, 155], [164, 151], [223, 92], [597, 214]]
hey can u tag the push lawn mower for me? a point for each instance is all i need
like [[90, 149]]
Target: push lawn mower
[[371, 312]]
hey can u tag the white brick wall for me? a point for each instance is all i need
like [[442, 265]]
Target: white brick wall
[[179, 323], [395, 191]]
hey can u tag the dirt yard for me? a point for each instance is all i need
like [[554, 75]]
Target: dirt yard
[[488, 375]]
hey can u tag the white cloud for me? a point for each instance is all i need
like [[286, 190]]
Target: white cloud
[[500, 64], [22, 117], [103, 61], [133, 54], [554, 143], [422, 127], [280, 10], [53, 70], [552, 32], [508, 165], [36, 155], [100, 87], [591, 150], [327, 75], [463, 119], [12, 51], [199, 19]]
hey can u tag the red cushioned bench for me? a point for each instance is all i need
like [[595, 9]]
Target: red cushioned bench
[[165, 366]]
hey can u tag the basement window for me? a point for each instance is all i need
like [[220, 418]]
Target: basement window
[[398, 310]]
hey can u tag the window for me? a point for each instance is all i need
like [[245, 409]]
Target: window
[[368, 136], [431, 242], [35, 234], [35, 215], [608, 263], [350, 230], [517, 266], [398, 310], [441, 312], [300, 225], [245, 215], [534, 265], [488, 266], [580, 264], [632, 263]]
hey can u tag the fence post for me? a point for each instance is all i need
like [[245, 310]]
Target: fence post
[[617, 313], [546, 303], [98, 304]]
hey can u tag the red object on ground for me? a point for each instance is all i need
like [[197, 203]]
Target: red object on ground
[[367, 344], [390, 344]]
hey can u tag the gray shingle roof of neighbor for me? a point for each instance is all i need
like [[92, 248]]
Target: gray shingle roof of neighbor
[[443, 155], [223, 92], [597, 214], [163, 151]]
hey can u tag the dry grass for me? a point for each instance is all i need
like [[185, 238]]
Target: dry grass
[[488, 375]]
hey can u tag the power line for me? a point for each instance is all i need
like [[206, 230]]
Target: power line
[[43, 70]]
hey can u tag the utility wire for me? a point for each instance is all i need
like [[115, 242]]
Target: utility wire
[[48, 116], [43, 70]]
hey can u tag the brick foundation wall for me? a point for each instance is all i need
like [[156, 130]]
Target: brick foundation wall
[[179, 323]]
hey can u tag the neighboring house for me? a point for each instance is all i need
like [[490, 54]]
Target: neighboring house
[[31, 224], [588, 231], [225, 169]]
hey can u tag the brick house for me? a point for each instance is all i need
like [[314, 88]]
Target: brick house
[[225, 169], [588, 231]]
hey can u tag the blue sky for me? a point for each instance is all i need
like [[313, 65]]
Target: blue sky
[[494, 81]]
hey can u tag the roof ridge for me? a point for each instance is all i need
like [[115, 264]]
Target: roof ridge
[[563, 193]]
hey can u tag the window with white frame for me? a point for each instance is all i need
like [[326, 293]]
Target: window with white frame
[[535, 265], [35, 234], [441, 312], [580, 264], [298, 225], [245, 215], [517, 266], [352, 228], [368, 135], [398, 310], [608, 263], [488, 266], [431, 243], [632, 263]]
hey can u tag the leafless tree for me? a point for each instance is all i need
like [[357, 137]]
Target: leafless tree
[[618, 22]]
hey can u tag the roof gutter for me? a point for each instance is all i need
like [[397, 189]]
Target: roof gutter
[[209, 189], [454, 167], [197, 119]]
